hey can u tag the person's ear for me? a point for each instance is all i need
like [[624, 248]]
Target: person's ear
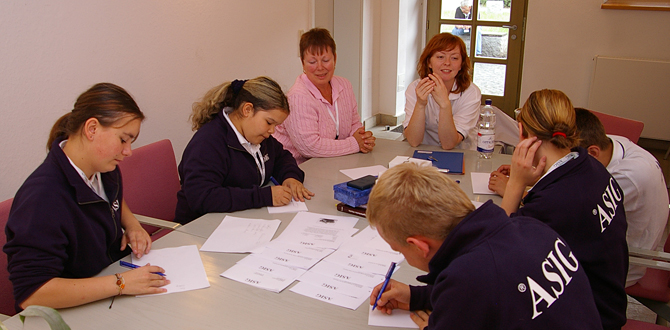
[[419, 243], [247, 109], [594, 151], [520, 131], [91, 127]]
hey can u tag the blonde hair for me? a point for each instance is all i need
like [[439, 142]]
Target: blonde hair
[[413, 200], [549, 115], [263, 92]]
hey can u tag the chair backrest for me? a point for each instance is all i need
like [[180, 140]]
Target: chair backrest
[[151, 180], [6, 291], [620, 126]]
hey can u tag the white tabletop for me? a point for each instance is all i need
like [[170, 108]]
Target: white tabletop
[[227, 304]]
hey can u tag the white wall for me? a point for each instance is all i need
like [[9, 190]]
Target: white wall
[[166, 54], [562, 37]]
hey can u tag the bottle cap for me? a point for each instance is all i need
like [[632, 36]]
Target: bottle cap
[[488, 102]]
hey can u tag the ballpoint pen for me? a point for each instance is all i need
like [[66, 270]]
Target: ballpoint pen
[[274, 181], [386, 282], [133, 266]]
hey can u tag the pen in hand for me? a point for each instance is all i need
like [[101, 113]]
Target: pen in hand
[[133, 266], [276, 183], [386, 282]]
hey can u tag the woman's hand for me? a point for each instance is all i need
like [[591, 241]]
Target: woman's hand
[[504, 169], [298, 190], [420, 318], [522, 171], [441, 93], [143, 280], [281, 195], [396, 296], [365, 140], [498, 182], [137, 237], [423, 89]]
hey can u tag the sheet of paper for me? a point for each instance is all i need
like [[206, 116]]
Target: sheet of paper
[[293, 255], [336, 285], [263, 273], [318, 230], [346, 260], [359, 172], [399, 319], [183, 267], [328, 296], [480, 183], [240, 235], [330, 269], [292, 207]]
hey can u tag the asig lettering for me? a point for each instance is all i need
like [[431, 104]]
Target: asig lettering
[[611, 198], [557, 269]]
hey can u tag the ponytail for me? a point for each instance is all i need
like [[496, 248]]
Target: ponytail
[[104, 101], [263, 92]]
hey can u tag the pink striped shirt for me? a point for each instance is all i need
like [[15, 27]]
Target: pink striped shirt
[[309, 130]]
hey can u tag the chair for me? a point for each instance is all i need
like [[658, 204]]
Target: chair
[[653, 289], [620, 126], [639, 325], [150, 186], [6, 291]]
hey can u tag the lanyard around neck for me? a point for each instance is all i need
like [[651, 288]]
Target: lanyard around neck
[[260, 164], [335, 118]]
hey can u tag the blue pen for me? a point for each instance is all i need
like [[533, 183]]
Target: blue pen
[[274, 181], [133, 266], [386, 282]]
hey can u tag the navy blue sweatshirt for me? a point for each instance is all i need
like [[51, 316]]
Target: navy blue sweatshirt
[[584, 204], [496, 272], [59, 227], [218, 175]]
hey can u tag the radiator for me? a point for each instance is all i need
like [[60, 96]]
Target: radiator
[[633, 88]]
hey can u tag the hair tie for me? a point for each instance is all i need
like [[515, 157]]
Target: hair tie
[[559, 133], [237, 86]]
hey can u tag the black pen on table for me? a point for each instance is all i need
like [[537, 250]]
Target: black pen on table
[[386, 282], [133, 266]]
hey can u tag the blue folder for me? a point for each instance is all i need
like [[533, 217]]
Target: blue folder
[[449, 162]]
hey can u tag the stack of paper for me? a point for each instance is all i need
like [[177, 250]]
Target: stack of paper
[[308, 238], [346, 277]]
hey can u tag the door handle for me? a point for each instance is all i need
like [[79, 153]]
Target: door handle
[[513, 27]]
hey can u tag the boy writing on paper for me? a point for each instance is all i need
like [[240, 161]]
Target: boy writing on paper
[[485, 269]]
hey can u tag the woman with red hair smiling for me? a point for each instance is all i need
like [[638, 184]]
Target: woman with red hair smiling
[[442, 107]]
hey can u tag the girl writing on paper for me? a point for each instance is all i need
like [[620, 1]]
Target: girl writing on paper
[[232, 156], [69, 220], [442, 107]]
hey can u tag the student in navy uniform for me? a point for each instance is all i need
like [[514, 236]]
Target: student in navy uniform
[[232, 156], [574, 194], [485, 269], [69, 221]]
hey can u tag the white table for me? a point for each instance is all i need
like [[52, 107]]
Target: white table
[[227, 304]]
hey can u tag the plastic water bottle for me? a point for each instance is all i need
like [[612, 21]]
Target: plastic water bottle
[[486, 131]]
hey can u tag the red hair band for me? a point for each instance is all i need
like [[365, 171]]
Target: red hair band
[[559, 133]]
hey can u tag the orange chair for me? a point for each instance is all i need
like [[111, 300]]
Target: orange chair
[[6, 291], [150, 185], [620, 126]]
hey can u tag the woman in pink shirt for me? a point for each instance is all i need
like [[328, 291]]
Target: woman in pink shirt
[[324, 120]]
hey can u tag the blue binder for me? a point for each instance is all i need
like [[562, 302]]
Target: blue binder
[[445, 161]]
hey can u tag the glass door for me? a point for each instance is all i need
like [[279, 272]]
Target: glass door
[[493, 34]]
